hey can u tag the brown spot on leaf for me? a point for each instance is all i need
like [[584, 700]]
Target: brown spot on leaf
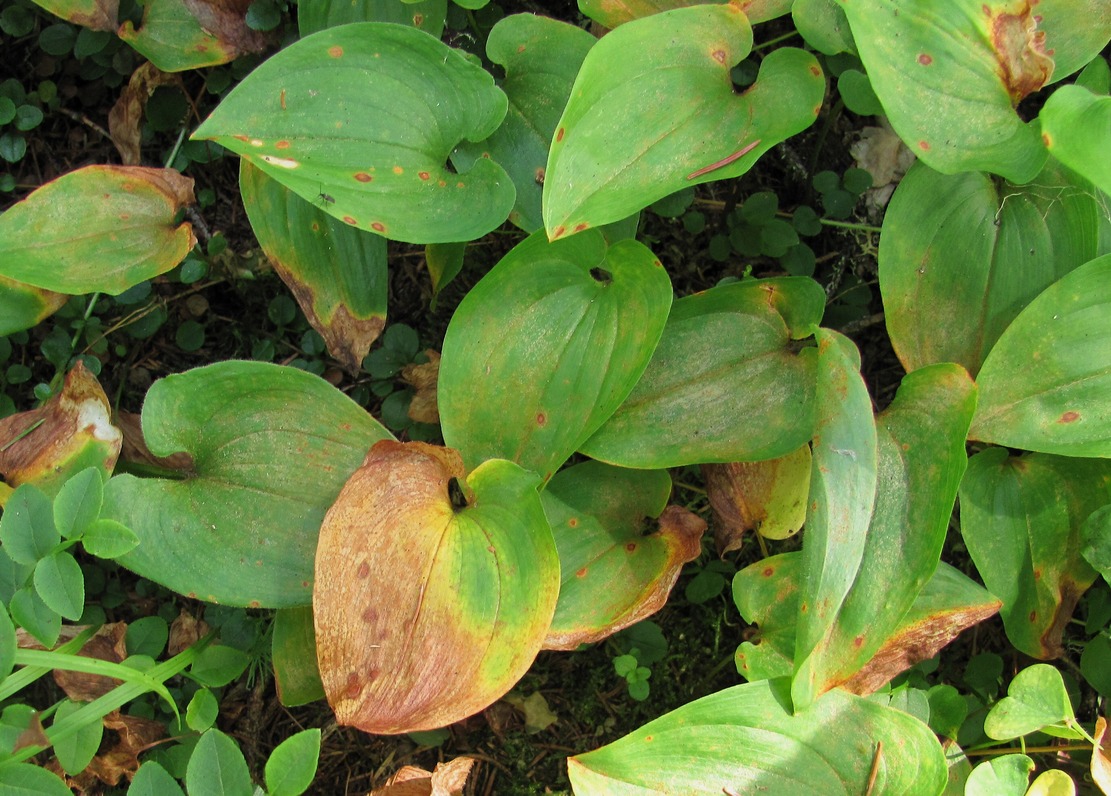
[[581, 227], [768, 572], [924, 146], [719, 56], [581, 573], [363, 571], [370, 615], [282, 145], [541, 419], [559, 134], [1069, 417], [1024, 65], [573, 522], [354, 687], [631, 547], [539, 176], [378, 226], [858, 642], [815, 71], [350, 220], [559, 232], [925, 59], [362, 176], [418, 20], [335, 51], [424, 175]]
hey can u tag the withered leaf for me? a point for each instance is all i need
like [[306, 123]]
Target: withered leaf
[[447, 780], [126, 117], [1101, 763], [136, 735], [423, 377], [107, 645], [134, 449], [185, 631], [1019, 47]]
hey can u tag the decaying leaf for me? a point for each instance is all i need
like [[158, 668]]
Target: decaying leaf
[[768, 497], [107, 645], [433, 593], [538, 715], [71, 431], [185, 631], [422, 408], [1101, 763], [134, 449], [125, 120], [186, 34], [1019, 48], [881, 153], [136, 735], [447, 780], [92, 14]]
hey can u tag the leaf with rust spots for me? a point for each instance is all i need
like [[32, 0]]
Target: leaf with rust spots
[[1021, 518], [768, 497], [337, 272], [423, 378], [125, 120], [1019, 48], [92, 14], [616, 566], [433, 594], [107, 645], [1101, 760], [22, 306], [427, 15], [100, 228], [448, 779], [176, 35], [70, 432]]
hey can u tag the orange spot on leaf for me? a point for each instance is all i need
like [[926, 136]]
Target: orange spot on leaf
[[573, 522], [581, 227], [925, 147], [350, 220], [424, 175], [768, 572], [282, 145], [581, 573], [559, 134], [719, 56], [815, 71], [362, 176], [378, 226], [1069, 417], [335, 51]]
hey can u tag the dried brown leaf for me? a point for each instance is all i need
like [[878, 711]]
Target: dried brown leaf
[[136, 735], [227, 21], [185, 631], [423, 408], [135, 451], [1101, 763], [1019, 48], [126, 117], [107, 645], [447, 780]]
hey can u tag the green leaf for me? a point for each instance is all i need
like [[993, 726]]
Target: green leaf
[[969, 67], [723, 348], [202, 710], [653, 110], [747, 739], [109, 539], [366, 115], [954, 274], [541, 57], [7, 642], [61, 584], [337, 273], [1000, 776], [153, 780], [27, 529], [1036, 698], [427, 15], [218, 665], [217, 768], [291, 767], [30, 612], [613, 570], [260, 482], [24, 779], [13, 576], [78, 502], [76, 751], [22, 306], [444, 262], [842, 492], [823, 25], [1074, 126], [173, 39], [147, 636], [948, 710], [1021, 518], [1076, 31], [296, 675], [100, 228], [473, 588], [1096, 535], [1045, 384], [571, 325], [1053, 782], [1095, 664]]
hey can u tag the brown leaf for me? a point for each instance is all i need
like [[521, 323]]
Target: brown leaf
[[915, 642], [447, 780], [126, 117], [136, 735], [347, 338], [226, 20], [1101, 763], [135, 451], [1019, 48], [70, 431], [185, 631], [34, 735], [422, 408], [107, 645]]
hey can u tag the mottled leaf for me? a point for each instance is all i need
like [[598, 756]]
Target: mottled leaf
[[571, 326], [653, 110], [426, 15], [725, 383], [271, 447], [360, 120], [1046, 385], [176, 35], [954, 274], [433, 594], [337, 273], [616, 566], [100, 228], [746, 739], [1020, 518]]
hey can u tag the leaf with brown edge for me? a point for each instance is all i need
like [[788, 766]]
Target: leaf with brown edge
[[22, 306], [433, 593], [71, 431], [135, 451], [767, 496], [92, 14], [176, 35], [1101, 763], [125, 120], [616, 568], [447, 779]]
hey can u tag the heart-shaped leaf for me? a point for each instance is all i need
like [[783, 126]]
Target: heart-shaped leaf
[[271, 448], [1036, 698], [432, 597], [337, 273], [950, 89], [1007, 775], [954, 274], [615, 570], [541, 57], [100, 228], [176, 35], [360, 120], [1045, 384], [547, 345], [22, 306], [725, 383], [426, 15], [1021, 519], [653, 111], [1075, 124], [746, 739]]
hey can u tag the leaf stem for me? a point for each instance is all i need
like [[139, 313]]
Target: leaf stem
[[776, 40], [849, 225]]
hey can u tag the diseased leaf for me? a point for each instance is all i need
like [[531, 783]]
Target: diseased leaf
[[653, 111], [571, 325], [1101, 762], [100, 228], [337, 273], [1076, 127], [447, 779], [92, 14], [125, 120], [260, 482], [1020, 518], [746, 739], [427, 610], [22, 306], [725, 383], [1046, 385], [176, 35], [398, 102], [615, 567]]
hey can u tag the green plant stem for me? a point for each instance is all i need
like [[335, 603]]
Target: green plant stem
[[77, 663], [1014, 750], [17, 681], [849, 225], [772, 42], [177, 147]]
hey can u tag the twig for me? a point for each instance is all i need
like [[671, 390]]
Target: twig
[[85, 120], [853, 327]]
